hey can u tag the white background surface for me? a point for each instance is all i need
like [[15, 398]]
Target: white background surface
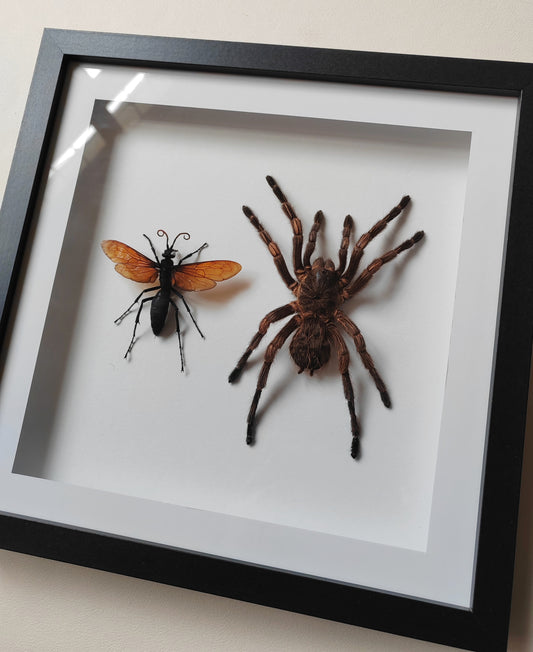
[[92, 627]]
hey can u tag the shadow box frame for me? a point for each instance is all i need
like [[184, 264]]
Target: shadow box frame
[[481, 625]]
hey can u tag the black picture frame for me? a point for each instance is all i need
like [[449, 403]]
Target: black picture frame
[[485, 625]]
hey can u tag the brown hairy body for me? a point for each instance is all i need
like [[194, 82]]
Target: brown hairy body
[[318, 323], [318, 298]]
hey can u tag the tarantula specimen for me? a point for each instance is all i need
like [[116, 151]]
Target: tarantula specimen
[[318, 322]]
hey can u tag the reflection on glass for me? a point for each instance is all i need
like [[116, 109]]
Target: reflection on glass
[[125, 93], [93, 72], [111, 107], [80, 142]]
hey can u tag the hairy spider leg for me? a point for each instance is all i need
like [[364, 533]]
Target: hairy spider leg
[[311, 241], [367, 237], [297, 238], [176, 313], [344, 361], [376, 264], [360, 344], [127, 311], [188, 310], [345, 243], [270, 318], [279, 261], [272, 349], [137, 319]]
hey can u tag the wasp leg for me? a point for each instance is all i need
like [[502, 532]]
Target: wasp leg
[[130, 347], [152, 248], [189, 311], [178, 332], [192, 253], [127, 311]]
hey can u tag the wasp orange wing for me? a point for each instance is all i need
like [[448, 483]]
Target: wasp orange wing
[[129, 262], [203, 276]]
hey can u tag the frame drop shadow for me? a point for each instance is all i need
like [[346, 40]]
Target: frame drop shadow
[[37, 430]]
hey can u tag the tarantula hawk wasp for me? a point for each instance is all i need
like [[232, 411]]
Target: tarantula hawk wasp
[[318, 322], [174, 278]]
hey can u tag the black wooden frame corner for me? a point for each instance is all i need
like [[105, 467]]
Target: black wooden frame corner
[[485, 626]]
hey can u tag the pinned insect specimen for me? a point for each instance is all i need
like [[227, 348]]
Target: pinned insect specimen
[[318, 321], [174, 278]]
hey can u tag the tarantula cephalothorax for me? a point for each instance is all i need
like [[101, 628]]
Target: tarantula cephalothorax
[[318, 321]]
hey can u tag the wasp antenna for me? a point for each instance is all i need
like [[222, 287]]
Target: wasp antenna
[[186, 236], [162, 233]]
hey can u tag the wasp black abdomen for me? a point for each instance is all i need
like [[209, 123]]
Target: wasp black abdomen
[[158, 311], [161, 301]]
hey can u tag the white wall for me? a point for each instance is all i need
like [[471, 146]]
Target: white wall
[[46, 605]]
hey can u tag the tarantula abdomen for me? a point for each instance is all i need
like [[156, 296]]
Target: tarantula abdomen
[[310, 348]]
